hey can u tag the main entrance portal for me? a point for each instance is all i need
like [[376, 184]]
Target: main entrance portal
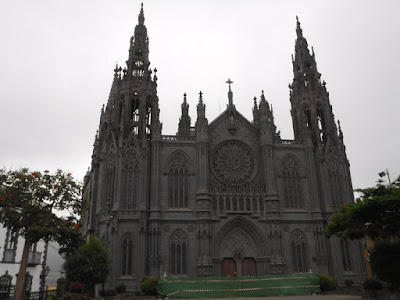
[[239, 249], [238, 267]]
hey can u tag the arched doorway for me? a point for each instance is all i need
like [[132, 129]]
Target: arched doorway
[[228, 267], [238, 251], [249, 266], [239, 247]]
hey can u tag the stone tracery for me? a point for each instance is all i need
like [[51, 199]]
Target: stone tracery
[[233, 162]]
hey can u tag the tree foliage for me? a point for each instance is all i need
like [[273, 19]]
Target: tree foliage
[[375, 214], [89, 264], [41, 206]]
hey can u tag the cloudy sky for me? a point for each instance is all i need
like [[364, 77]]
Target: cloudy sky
[[57, 60]]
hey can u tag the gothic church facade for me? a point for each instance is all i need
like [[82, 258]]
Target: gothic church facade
[[219, 198]]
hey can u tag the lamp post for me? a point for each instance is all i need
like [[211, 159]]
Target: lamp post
[[43, 275], [384, 173]]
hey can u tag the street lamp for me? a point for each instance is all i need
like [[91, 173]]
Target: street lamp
[[384, 173]]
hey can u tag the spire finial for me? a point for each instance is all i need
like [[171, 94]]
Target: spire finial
[[200, 97], [262, 95], [229, 82], [184, 99], [141, 15], [230, 94], [299, 31]]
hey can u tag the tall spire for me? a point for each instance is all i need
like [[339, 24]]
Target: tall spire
[[311, 111], [141, 15], [138, 62]]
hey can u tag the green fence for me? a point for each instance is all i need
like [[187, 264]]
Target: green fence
[[229, 287]]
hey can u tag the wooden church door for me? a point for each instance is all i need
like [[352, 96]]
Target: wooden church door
[[249, 267], [228, 267]]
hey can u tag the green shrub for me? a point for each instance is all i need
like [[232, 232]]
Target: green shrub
[[327, 283], [148, 285], [372, 284], [121, 288]]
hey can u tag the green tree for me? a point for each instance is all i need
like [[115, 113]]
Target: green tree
[[40, 206], [375, 214], [89, 264]]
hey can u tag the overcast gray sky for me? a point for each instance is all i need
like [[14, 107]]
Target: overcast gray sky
[[57, 60]]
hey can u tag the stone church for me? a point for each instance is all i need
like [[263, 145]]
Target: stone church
[[224, 197]]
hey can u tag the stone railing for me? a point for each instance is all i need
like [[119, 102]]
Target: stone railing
[[178, 137], [287, 142]]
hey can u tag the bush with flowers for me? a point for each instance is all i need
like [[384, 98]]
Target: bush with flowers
[[348, 282], [77, 287]]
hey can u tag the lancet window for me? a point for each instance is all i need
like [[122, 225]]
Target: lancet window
[[345, 247], [178, 181], [110, 182], [178, 248], [299, 251], [292, 190], [335, 182], [127, 255], [130, 180]]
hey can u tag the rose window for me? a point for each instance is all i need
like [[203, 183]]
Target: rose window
[[233, 162]]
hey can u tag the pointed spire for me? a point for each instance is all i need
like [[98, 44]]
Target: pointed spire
[[201, 107], [262, 96], [184, 121], [184, 99], [299, 31], [230, 94], [255, 102], [141, 15]]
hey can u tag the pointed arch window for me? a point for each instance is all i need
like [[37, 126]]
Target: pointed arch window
[[130, 180], [110, 182], [345, 247], [292, 190], [335, 182], [127, 255], [178, 181], [299, 251], [178, 248]]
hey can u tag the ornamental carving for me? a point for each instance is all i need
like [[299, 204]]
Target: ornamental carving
[[233, 162]]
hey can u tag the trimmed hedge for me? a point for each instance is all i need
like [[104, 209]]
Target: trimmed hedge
[[327, 283]]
